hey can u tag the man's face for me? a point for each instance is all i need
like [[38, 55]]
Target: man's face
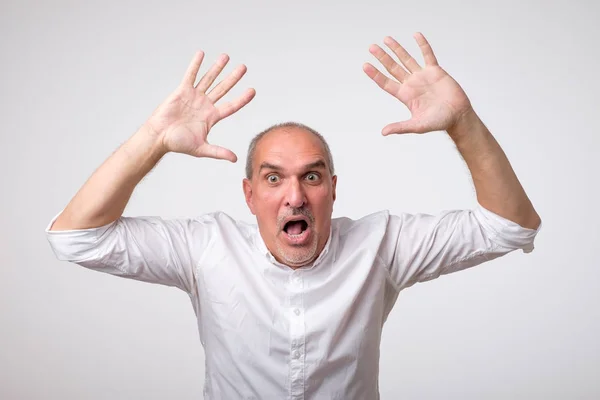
[[292, 194]]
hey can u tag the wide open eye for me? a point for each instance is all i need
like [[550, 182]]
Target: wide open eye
[[312, 177], [272, 178]]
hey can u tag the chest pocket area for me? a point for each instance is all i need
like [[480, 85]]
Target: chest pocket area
[[239, 308]]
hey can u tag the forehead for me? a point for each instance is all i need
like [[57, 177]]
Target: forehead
[[289, 148]]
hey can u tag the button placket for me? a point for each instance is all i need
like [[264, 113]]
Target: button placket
[[295, 282], [297, 336]]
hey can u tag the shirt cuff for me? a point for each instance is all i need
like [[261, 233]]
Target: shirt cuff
[[506, 232], [74, 244]]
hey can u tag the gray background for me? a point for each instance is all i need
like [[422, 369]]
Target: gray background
[[78, 78]]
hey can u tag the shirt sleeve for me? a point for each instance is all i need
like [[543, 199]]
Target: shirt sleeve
[[149, 249], [421, 247]]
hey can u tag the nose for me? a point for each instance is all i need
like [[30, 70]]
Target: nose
[[295, 196]]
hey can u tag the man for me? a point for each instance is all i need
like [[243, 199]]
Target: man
[[294, 306]]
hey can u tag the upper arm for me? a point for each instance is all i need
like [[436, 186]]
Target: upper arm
[[421, 247], [149, 249]]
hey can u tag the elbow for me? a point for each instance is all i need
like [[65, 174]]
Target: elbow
[[531, 220], [525, 217], [535, 225]]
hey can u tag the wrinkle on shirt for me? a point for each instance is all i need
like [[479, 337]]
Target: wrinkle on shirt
[[267, 336]]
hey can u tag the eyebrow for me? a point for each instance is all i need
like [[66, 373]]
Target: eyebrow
[[314, 165], [266, 165]]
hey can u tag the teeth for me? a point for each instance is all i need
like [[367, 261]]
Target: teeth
[[296, 236]]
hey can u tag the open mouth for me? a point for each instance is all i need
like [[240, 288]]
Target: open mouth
[[295, 227]]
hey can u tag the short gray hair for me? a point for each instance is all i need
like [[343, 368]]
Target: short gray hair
[[284, 125]]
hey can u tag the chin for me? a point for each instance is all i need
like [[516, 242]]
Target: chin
[[297, 255], [297, 263]]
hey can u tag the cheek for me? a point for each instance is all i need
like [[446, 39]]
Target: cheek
[[322, 202], [266, 204]]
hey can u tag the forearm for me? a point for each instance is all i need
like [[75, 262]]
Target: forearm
[[497, 186], [104, 196]]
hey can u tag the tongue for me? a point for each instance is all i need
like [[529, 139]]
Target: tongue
[[294, 228]]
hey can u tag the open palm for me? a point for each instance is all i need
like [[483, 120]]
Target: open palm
[[436, 101], [185, 118]]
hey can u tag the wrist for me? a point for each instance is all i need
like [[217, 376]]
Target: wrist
[[154, 139], [467, 122]]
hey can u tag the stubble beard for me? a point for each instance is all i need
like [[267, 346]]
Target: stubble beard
[[298, 256], [301, 255]]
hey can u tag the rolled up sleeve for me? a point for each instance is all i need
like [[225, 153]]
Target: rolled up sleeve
[[421, 247], [149, 249]]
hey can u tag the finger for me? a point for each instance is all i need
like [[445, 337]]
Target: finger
[[225, 110], [387, 84], [406, 59], [224, 86], [409, 126], [192, 71], [218, 152], [392, 66], [212, 73], [426, 49]]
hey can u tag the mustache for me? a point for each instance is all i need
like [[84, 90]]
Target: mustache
[[292, 212]]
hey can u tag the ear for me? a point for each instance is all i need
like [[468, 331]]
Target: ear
[[334, 184], [247, 187]]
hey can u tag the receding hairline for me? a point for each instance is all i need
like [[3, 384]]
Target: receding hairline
[[287, 127]]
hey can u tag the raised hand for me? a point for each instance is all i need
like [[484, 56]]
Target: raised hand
[[436, 101], [184, 119]]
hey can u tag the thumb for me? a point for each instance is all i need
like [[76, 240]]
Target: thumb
[[409, 126], [217, 152]]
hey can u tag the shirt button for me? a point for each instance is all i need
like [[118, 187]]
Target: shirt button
[[296, 354], [297, 311]]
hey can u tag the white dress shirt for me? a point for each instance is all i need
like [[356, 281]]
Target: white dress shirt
[[271, 332]]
